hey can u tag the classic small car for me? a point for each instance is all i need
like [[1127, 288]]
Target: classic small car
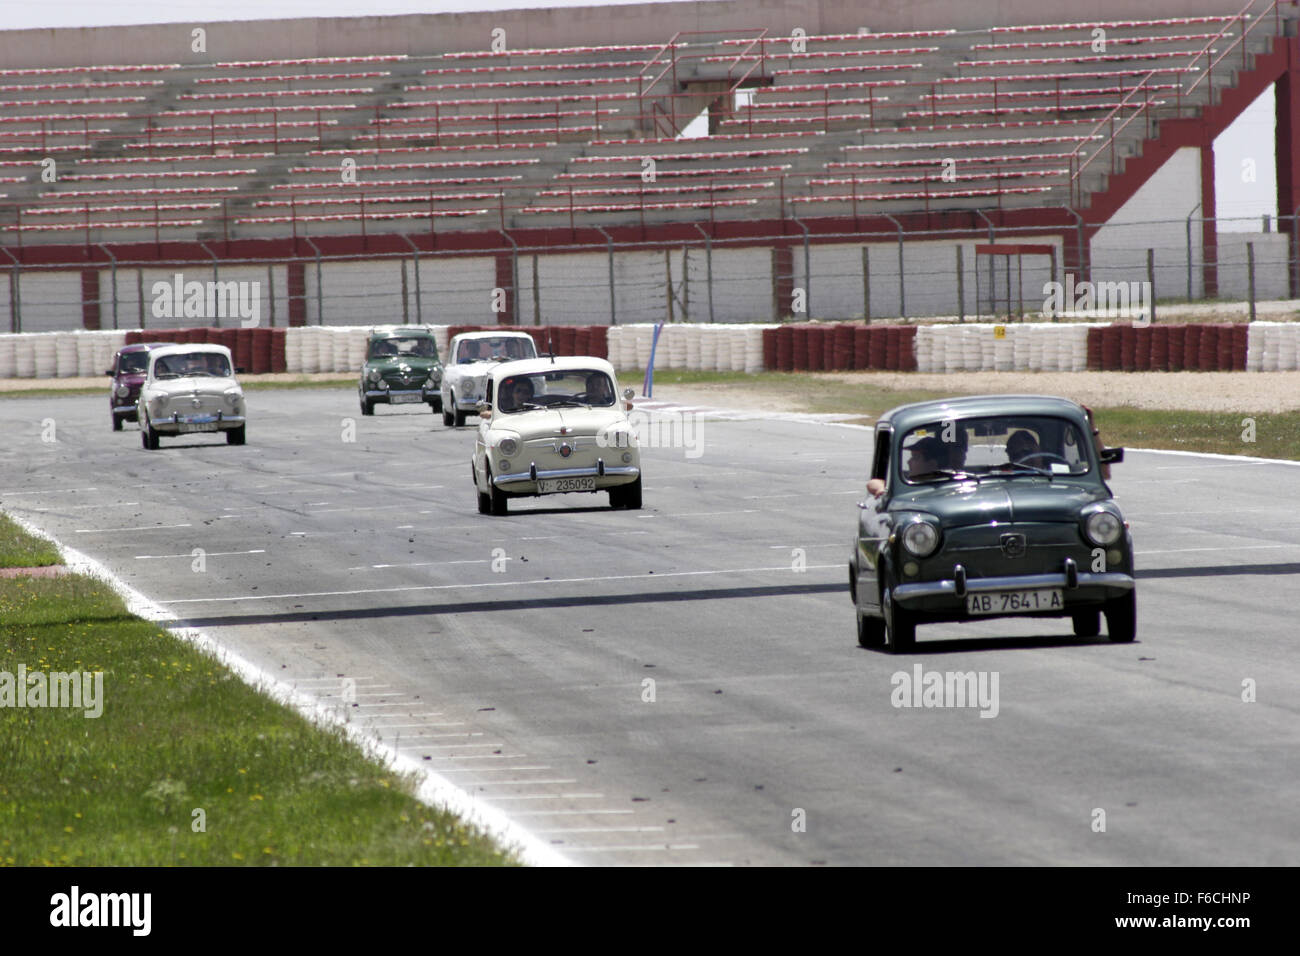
[[986, 507], [129, 367], [469, 357], [550, 426], [401, 368], [190, 388]]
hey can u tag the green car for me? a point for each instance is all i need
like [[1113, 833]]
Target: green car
[[402, 368], [985, 507]]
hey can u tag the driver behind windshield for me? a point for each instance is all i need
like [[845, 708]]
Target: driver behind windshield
[[519, 393], [1021, 445], [598, 389], [926, 456]]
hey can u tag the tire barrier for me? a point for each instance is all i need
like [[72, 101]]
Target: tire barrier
[[1258, 346]]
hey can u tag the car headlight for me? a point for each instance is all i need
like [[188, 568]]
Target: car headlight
[[920, 538], [373, 375], [233, 396], [503, 466], [508, 446], [123, 389], [1103, 528]]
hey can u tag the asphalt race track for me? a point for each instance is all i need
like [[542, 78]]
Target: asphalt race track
[[520, 673]]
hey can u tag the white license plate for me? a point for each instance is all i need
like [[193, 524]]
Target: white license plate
[[197, 427], [548, 486], [406, 399], [1015, 602]]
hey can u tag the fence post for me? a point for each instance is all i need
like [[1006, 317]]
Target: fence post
[[668, 280], [15, 300], [866, 283], [537, 295], [406, 309], [270, 293], [1250, 272], [139, 293], [1151, 283], [961, 288]]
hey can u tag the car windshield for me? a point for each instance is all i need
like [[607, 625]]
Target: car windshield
[[574, 388], [404, 346], [193, 363], [486, 350], [996, 447], [132, 363]]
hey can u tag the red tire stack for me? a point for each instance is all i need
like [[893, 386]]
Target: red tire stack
[[599, 341], [1223, 355], [1110, 348], [843, 347], [862, 347], [799, 349], [785, 348], [1240, 343], [1127, 348], [907, 348], [893, 346], [278, 362], [1177, 347], [1142, 348], [1192, 347], [1160, 348], [582, 340], [769, 349], [879, 347], [1208, 353], [1094, 349]]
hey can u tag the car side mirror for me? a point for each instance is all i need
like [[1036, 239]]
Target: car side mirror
[[109, 372], [1111, 456]]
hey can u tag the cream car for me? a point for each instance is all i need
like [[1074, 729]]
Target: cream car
[[470, 356], [187, 389], [555, 426]]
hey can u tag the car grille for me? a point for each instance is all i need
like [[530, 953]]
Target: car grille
[[992, 550]]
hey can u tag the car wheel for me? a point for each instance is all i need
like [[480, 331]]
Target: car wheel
[[235, 436], [1121, 618], [900, 626], [448, 419], [435, 404], [367, 407], [457, 414], [871, 631], [629, 495], [117, 423], [1087, 623], [497, 497], [148, 437]]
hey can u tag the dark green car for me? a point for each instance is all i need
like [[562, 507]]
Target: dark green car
[[402, 368], [990, 506]]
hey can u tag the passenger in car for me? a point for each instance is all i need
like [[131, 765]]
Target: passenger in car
[[1021, 445]]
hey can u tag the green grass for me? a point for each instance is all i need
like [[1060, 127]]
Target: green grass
[[1277, 435], [179, 732], [282, 381], [18, 549]]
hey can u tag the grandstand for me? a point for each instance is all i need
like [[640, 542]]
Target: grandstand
[[405, 135]]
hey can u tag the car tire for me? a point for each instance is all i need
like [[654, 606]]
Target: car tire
[[235, 436], [448, 419], [1087, 623], [496, 498], [117, 423], [435, 405], [456, 413], [900, 626], [871, 631], [629, 496], [1121, 618], [367, 407], [148, 437]]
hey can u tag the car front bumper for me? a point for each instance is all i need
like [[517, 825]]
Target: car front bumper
[[384, 394], [526, 482], [945, 599], [178, 424]]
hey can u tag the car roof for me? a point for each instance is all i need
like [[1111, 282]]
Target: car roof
[[539, 365], [183, 348], [905, 417], [466, 336], [401, 330], [142, 347]]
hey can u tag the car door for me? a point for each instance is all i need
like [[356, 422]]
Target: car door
[[873, 523]]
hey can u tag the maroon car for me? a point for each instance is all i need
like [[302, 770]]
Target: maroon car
[[128, 371]]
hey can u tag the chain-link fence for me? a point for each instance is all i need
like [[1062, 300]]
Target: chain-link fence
[[765, 279]]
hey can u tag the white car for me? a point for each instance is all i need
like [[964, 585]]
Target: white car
[[187, 389], [551, 426], [469, 358]]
